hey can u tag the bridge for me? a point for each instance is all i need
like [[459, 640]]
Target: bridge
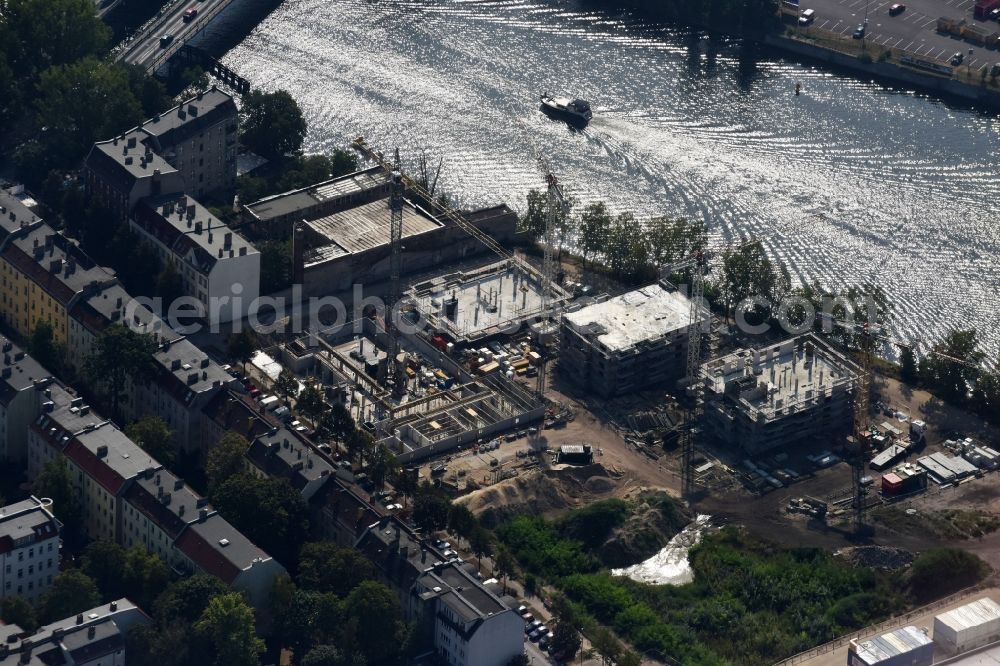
[[144, 47]]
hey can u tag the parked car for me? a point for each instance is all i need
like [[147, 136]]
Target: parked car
[[807, 17], [897, 9], [995, 15], [859, 32], [957, 58]]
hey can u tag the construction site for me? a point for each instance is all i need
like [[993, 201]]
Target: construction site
[[508, 370]]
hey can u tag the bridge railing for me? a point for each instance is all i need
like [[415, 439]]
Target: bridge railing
[[193, 28]]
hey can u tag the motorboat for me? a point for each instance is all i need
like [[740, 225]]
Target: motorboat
[[576, 112]]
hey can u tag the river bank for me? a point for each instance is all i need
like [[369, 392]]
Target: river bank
[[881, 65]]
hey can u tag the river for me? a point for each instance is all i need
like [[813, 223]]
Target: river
[[849, 182]]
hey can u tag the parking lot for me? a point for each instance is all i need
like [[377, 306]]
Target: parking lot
[[913, 31]]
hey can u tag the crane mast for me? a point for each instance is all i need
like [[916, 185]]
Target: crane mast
[[695, 386], [553, 204], [395, 269]]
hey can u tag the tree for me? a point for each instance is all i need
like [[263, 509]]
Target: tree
[[952, 369], [595, 225], [629, 659], [626, 252], [82, 102], [381, 465], [268, 511], [430, 509], [184, 601], [43, 347], [104, 562], [311, 402], [120, 356], [373, 621], [503, 563], [286, 386], [338, 424], [670, 240], [532, 222], [169, 284], [461, 521], [565, 639], [226, 459], [152, 434], [71, 591], [607, 645], [326, 567], [10, 94], [46, 33], [241, 346], [481, 543], [228, 623], [941, 571], [17, 610], [56, 483], [748, 272], [273, 125], [144, 575], [275, 265], [907, 364], [325, 655], [986, 396]]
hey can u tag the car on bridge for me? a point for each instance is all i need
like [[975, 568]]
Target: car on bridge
[[165, 40], [190, 13]]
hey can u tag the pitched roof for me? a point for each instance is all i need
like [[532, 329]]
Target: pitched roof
[[218, 548]]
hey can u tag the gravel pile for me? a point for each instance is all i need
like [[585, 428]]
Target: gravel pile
[[877, 557]]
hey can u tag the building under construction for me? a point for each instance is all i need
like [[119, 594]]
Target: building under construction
[[796, 392], [619, 345], [477, 303], [332, 253]]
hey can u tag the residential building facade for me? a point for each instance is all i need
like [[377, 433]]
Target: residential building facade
[[29, 548]]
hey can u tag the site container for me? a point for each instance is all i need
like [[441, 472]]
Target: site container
[[975, 35], [950, 26], [907, 646], [968, 627], [984, 7]]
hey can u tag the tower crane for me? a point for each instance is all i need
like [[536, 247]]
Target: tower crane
[[395, 268]]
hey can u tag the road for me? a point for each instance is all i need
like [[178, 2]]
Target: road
[[914, 30], [145, 48]]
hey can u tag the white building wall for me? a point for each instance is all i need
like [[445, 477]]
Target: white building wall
[[495, 642], [28, 571], [230, 271]]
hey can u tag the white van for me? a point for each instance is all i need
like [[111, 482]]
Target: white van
[[807, 16]]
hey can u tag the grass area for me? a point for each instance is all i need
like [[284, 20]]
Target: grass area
[[944, 524], [751, 602]]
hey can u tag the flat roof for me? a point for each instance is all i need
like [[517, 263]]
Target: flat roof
[[25, 518], [14, 213], [886, 647], [55, 263], [286, 203], [191, 366], [980, 611], [364, 228], [638, 316], [129, 152], [19, 371], [124, 456]]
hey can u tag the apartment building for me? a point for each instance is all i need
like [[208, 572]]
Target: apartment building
[[110, 306], [22, 391], [473, 625], [621, 345], [795, 391], [158, 507], [29, 548], [119, 172], [185, 379], [190, 148], [42, 275], [95, 637], [198, 138], [127, 497], [281, 453], [213, 546], [218, 267]]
